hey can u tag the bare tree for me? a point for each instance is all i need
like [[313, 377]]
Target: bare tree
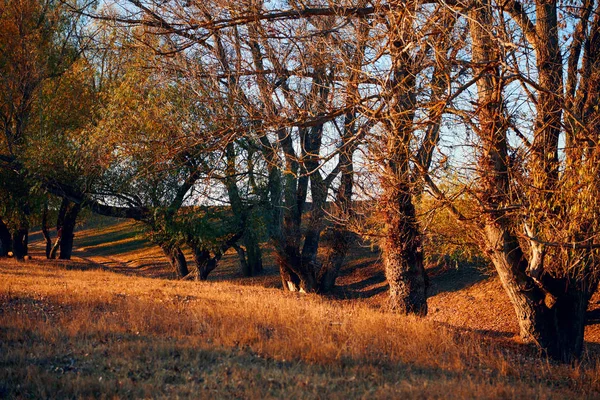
[[537, 201]]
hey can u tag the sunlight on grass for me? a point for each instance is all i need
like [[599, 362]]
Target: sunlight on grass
[[127, 336]]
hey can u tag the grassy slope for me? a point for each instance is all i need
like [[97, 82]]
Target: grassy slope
[[109, 325]]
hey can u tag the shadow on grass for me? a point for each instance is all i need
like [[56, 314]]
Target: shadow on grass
[[364, 289], [148, 363], [593, 317], [102, 239], [154, 269], [443, 279], [111, 249], [132, 363]]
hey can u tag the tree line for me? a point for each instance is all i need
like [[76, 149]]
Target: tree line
[[312, 125]]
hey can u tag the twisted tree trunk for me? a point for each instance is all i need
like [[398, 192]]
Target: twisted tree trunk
[[176, 259]]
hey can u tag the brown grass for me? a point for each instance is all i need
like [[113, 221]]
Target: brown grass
[[97, 328], [73, 333]]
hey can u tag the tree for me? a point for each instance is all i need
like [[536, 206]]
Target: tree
[[537, 203], [35, 47]]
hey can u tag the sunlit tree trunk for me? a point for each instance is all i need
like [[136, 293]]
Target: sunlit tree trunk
[[402, 248], [550, 310]]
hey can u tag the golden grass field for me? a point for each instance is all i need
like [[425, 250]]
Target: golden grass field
[[113, 323]]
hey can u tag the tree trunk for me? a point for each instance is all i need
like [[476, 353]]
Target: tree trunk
[[68, 231], [64, 206], [551, 312], [561, 327], [289, 278], [403, 259], [176, 259], [243, 263], [20, 245], [402, 249], [342, 238], [253, 254], [252, 263], [5, 239], [205, 263], [46, 232], [331, 267]]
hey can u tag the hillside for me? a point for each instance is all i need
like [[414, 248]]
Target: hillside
[[113, 323]]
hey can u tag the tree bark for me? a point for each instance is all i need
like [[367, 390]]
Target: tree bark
[[287, 264], [176, 259], [402, 249], [205, 263], [562, 332], [551, 313], [68, 231], [403, 258]]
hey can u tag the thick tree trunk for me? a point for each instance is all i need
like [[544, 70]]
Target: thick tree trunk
[[289, 279], [403, 259], [253, 255], [555, 324], [402, 248], [551, 313], [561, 327], [176, 259], [205, 263], [68, 231], [508, 259], [5, 239], [20, 243]]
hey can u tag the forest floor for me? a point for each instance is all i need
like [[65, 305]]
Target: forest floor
[[114, 323]]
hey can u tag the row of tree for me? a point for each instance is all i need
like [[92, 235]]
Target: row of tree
[[224, 124]]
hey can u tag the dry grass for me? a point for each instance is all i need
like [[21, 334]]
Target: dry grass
[[73, 333], [97, 327]]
